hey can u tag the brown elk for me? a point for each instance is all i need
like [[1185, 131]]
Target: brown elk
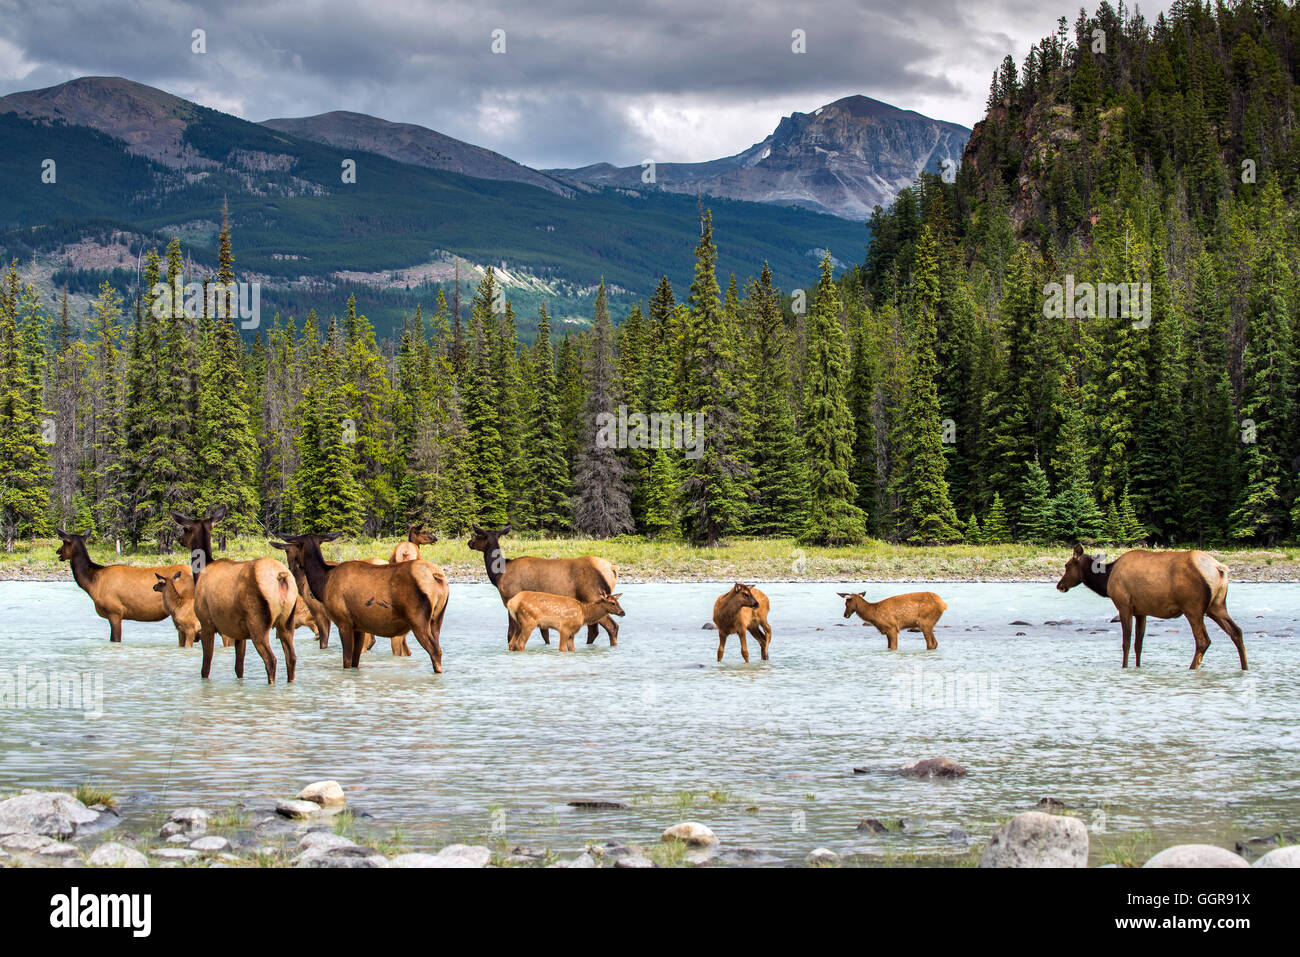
[[409, 550], [918, 609], [1146, 584], [120, 592], [585, 578], [242, 601], [178, 598], [317, 615], [382, 599], [742, 609], [536, 609]]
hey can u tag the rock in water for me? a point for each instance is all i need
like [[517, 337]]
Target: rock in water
[[598, 805], [822, 855], [1035, 839], [873, 825], [690, 832], [116, 855], [51, 813], [296, 809], [634, 860], [1282, 857], [1196, 855], [933, 768], [324, 793]]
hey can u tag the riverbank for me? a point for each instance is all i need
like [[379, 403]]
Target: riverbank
[[654, 561]]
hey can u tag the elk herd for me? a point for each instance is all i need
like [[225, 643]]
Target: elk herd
[[369, 598]]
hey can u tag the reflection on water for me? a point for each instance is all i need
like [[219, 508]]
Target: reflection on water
[[764, 753]]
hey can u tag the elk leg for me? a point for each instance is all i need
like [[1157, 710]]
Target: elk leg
[[115, 628], [1138, 634], [263, 646], [592, 632], [345, 639], [359, 645], [930, 642], [546, 635], [722, 642], [1202, 639], [427, 636], [290, 656], [207, 636], [611, 629], [757, 632], [369, 641], [239, 657], [400, 648], [891, 639], [1221, 618], [1126, 627], [323, 631], [744, 648]]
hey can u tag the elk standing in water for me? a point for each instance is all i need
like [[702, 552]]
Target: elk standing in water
[[242, 601], [317, 616], [1159, 585], [118, 591], [535, 609], [380, 599], [918, 609], [178, 598], [586, 578], [740, 610]]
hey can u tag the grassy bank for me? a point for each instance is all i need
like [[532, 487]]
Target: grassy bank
[[741, 559]]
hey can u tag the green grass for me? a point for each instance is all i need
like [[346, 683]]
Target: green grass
[[89, 794], [641, 559], [1125, 850]]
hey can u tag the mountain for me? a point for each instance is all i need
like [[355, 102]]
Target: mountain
[[136, 165], [842, 159], [416, 145]]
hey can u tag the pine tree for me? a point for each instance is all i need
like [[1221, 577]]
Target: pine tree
[[547, 468], [996, 531], [485, 460], [25, 479], [1036, 520]]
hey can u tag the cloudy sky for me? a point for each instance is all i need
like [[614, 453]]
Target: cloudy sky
[[579, 81]]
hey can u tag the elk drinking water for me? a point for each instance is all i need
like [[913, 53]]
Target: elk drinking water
[[535, 609], [740, 610], [381, 599], [918, 609], [585, 578], [120, 592], [242, 601], [1146, 584]]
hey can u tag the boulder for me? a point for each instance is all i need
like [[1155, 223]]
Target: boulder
[[463, 855], [36, 844], [296, 810], [821, 856], [933, 768], [583, 860], [352, 855], [690, 832], [872, 825], [1282, 857], [634, 860], [51, 813], [414, 860], [1035, 839], [324, 793], [324, 839], [176, 853], [1196, 855], [212, 844], [192, 820], [116, 855]]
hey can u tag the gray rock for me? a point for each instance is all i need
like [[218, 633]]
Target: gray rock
[[690, 832], [1196, 855], [115, 855], [598, 805], [748, 857], [324, 839], [1035, 839], [634, 860], [933, 768], [957, 836], [699, 858], [1282, 857], [351, 856], [463, 855], [210, 844], [51, 813], [36, 844], [180, 839], [418, 860], [1052, 804], [192, 820], [585, 860], [323, 793], [176, 853], [296, 810], [821, 856], [522, 850], [872, 825]]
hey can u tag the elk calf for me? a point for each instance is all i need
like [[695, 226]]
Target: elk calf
[[536, 609], [409, 550], [918, 609], [178, 599], [743, 609]]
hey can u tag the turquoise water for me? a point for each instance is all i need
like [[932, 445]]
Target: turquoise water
[[496, 747]]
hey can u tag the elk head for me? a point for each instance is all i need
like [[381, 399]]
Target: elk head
[[609, 604], [71, 543], [1073, 569], [485, 539], [851, 600], [418, 535], [745, 595]]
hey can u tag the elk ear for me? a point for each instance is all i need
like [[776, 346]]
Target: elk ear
[[182, 520], [617, 595], [477, 530], [161, 578], [330, 536], [87, 535], [283, 545], [844, 594], [62, 534], [217, 514], [1078, 549], [504, 531], [177, 577]]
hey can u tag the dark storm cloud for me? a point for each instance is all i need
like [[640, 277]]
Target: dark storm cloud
[[580, 80]]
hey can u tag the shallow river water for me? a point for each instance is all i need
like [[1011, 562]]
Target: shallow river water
[[495, 748]]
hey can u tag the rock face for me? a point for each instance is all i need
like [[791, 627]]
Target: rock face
[[116, 855], [1196, 855], [324, 793], [1035, 839], [933, 768], [842, 159], [690, 832], [51, 813], [1282, 857]]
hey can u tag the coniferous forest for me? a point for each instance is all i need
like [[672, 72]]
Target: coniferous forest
[[926, 395]]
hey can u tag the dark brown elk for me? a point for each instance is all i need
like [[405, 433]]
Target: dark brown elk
[[742, 609], [585, 578], [241, 601], [536, 609], [409, 550], [120, 592], [918, 609], [318, 618], [385, 599], [1146, 584]]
